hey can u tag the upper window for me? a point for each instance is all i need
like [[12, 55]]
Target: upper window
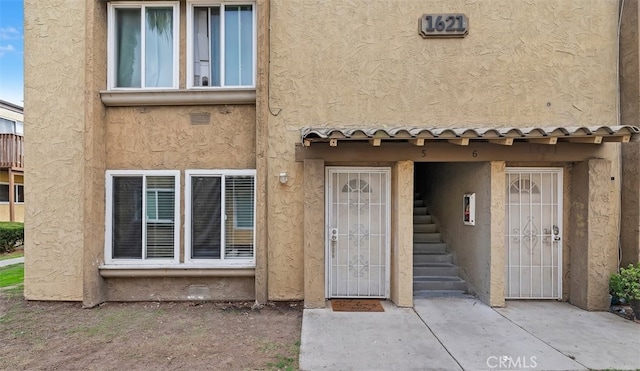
[[143, 217], [11, 126], [219, 213], [143, 45], [221, 45]]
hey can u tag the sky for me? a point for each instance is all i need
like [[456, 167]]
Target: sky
[[12, 51]]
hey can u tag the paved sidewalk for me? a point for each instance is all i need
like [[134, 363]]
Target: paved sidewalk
[[4, 263], [463, 333]]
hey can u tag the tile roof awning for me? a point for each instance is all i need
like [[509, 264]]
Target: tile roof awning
[[462, 136]]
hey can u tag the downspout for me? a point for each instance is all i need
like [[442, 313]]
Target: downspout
[[618, 121]]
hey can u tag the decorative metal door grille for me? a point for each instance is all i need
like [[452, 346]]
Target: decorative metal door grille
[[533, 233], [358, 227]]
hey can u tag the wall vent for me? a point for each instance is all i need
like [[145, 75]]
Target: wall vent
[[200, 118]]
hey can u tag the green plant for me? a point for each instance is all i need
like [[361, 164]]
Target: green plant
[[11, 275], [626, 284], [11, 236]]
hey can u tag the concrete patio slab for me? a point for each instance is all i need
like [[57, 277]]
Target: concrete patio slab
[[597, 340], [479, 338], [395, 339]]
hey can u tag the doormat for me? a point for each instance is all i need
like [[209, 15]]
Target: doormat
[[356, 305]]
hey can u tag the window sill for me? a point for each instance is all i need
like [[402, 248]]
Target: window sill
[[110, 271], [182, 97]]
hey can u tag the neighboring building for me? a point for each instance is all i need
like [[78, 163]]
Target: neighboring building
[[11, 162], [283, 150]]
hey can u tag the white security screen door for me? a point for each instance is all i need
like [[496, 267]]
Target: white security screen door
[[358, 226], [533, 233]]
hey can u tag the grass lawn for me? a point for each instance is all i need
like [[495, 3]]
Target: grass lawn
[[11, 275]]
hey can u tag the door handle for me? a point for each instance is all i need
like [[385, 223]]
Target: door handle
[[333, 237], [333, 234], [556, 233]]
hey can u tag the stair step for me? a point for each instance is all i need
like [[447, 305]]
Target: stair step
[[436, 279], [435, 269], [439, 247], [418, 203], [431, 258], [424, 227], [426, 237], [422, 218], [420, 210], [441, 294], [438, 283]]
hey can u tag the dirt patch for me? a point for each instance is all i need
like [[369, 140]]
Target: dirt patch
[[158, 336]]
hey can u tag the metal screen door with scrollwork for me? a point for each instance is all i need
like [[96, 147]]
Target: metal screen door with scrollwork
[[357, 236], [533, 266]]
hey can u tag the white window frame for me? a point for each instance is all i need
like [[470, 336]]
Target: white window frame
[[222, 262], [108, 236], [15, 193], [111, 42], [197, 3]]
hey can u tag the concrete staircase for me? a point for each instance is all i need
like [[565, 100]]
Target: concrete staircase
[[434, 273]]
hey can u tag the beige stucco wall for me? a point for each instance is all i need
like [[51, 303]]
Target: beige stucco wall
[[54, 148], [364, 65], [471, 246], [191, 288], [163, 138], [18, 210], [594, 253], [630, 228], [155, 138], [402, 234], [630, 115], [314, 234], [95, 154]]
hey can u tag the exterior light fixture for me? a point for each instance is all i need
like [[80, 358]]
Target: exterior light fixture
[[283, 177]]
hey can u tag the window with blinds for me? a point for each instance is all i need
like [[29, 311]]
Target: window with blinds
[[220, 215], [143, 221]]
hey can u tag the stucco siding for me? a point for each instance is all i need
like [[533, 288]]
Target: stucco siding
[[163, 138], [155, 289], [18, 210], [54, 148], [524, 63], [630, 228]]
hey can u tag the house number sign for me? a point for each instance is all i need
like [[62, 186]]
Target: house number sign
[[444, 25]]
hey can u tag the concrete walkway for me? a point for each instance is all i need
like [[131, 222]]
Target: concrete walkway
[[463, 333], [5, 263]]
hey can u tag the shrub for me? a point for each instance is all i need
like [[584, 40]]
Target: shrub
[[11, 236], [626, 284]]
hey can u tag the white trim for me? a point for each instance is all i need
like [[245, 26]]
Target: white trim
[[190, 49], [559, 171], [108, 235], [222, 262], [329, 170], [111, 40]]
